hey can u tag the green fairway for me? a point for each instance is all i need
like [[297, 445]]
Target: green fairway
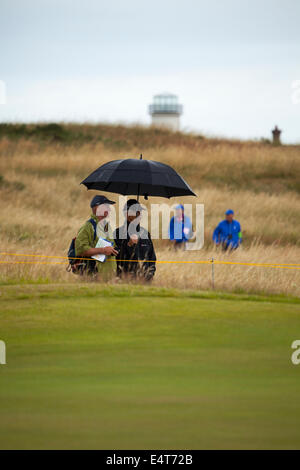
[[152, 370]]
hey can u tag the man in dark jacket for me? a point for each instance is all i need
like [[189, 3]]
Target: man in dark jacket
[[134, 244]]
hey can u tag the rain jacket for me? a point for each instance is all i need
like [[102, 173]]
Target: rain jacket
[[180, 230], [85, 240], [142, 251], [228, 234]]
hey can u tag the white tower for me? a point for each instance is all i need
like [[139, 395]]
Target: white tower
[[165, 111]]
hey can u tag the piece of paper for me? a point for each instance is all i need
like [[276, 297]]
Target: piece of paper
[[101, 243]]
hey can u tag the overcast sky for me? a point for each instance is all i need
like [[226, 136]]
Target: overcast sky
[[231, 62]]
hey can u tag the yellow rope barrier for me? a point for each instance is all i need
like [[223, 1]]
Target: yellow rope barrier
[[266, 265], [166, 261], [32, 262]]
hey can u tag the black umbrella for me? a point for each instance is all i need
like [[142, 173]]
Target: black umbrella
[[138, 177]]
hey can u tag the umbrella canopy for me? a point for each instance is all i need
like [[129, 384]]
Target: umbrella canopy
[[138, 177]]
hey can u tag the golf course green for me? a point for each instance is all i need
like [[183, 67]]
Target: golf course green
[[146, 368]]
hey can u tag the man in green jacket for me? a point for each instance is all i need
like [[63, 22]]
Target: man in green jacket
[[97, 226]]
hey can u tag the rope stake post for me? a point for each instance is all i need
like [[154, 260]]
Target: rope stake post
[[212, 274]]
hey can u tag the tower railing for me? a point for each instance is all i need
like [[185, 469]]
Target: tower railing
[[165, 108]]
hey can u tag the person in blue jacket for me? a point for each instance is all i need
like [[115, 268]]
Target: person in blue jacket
[[228, 233], [180, 228]]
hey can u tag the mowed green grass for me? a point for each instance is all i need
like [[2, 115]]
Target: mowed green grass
[[128, 371]]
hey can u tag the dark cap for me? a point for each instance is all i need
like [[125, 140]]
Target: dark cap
[[130, 203], [97, 200]]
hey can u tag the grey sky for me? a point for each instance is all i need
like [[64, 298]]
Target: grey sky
[[231, 62]]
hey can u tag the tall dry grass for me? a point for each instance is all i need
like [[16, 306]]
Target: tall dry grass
[[43, 205]]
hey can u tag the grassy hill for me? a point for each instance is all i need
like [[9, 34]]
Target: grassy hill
[[43, 204], [259, 166], [97, 365]]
